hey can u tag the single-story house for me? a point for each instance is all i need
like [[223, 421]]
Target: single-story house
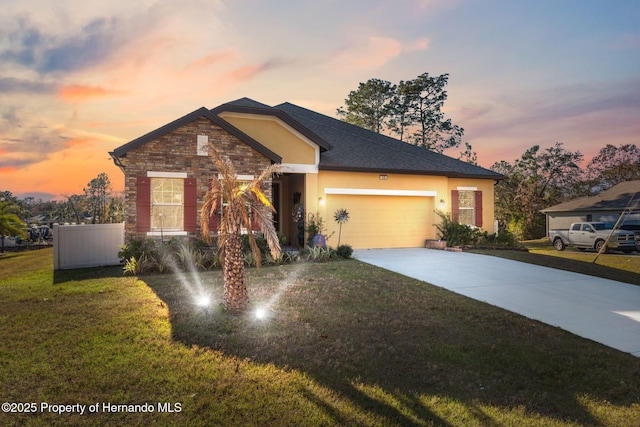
[[390, 188], [605, 207]]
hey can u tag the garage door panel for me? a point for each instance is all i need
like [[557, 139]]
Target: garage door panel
[[383, 221]]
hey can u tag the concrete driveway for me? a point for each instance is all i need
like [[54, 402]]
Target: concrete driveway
[[602, 310]]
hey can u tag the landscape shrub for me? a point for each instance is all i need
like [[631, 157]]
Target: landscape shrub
[[262, 243], [320, 254], [501, 239], [136, 248], [148, 255], [315, 225], [457, 234], [344, 251], [454, 233], [139, 265], [284, 258]]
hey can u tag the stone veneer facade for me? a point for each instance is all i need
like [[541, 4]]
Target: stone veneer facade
[[176, 151]]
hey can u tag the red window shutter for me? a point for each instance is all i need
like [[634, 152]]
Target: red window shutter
[[478, 208], [190, 204], [254, 223], [143, 204], [214, 220], [455, 205]]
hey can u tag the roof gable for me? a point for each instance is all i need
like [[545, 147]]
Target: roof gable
[[184, 120], [249, 106]]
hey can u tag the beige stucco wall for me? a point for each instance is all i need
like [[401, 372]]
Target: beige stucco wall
[[276, 135], [386, 219]]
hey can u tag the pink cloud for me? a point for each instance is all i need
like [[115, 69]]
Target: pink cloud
[[374, 52], [247, 72], [418, 45], [73, 93], [77, 142], [471, 112], [370, 52], [211, 59]]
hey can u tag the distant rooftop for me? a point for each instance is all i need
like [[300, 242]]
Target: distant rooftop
[[615, 198]]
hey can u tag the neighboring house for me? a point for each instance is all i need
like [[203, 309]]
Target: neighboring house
[[606, 206], [391, 189]]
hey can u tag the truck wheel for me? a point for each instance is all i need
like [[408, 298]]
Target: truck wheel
[[558, 244], [599, 245]]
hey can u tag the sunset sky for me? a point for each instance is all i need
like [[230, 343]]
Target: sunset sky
[[80, 78]]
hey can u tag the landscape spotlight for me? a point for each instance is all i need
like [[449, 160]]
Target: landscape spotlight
[[203, 300], [261, 313]]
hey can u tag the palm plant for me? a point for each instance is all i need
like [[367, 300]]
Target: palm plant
[[242, 203], [10, 223], [340, 216]]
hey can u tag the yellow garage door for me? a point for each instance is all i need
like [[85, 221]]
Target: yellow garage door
[[382, 221]]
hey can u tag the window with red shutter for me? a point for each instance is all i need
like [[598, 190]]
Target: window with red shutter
[[466, 207], [455, 205]]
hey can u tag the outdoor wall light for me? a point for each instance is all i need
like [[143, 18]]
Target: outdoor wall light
[[442, 203], [321, 201]]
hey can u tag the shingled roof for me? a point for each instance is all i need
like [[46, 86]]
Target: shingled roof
[[346, 147], [343, 146], [615, 198], [357, 149]]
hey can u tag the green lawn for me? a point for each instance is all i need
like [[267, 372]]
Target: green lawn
[[343, 343], [614, 266]]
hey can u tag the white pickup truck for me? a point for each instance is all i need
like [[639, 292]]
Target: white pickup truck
[[593, 235]]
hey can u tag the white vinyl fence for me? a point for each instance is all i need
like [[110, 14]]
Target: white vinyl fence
[[80, 246]]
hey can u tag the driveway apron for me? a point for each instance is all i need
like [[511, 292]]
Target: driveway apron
[[601, 310]]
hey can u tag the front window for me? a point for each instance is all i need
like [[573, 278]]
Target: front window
[[167, 204], [466, 206]]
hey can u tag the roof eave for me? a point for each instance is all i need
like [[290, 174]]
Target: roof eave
[[587, 209], [448, 174]]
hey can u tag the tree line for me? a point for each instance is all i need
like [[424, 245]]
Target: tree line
[[409, 110], [412, 112], [545, 177], [97, 204]]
